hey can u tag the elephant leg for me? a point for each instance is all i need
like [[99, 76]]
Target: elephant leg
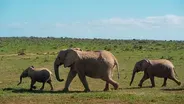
[[145, 77], [164, 84], [49, 82], [32, 85], [82, 77], [43, 85], [70, 77], [112, 82], [175, 80], [106, 86], [107, 83], [152, 81]]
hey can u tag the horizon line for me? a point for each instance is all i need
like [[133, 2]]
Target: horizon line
[[56, 37]]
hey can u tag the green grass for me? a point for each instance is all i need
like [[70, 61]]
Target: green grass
[[41, 52]]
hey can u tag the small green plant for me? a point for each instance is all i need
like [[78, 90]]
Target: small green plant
[[108, 48], [21, 52], [46, 58]]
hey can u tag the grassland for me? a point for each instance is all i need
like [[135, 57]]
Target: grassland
[[41, 52]]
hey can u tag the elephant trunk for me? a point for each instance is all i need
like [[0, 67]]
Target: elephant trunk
[[133, 75], [56, 69], [20, 80]]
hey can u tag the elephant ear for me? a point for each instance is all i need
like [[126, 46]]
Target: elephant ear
[[70, 58], [145, 64]]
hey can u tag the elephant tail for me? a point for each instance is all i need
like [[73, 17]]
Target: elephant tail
[[175, 72], [117, 66]]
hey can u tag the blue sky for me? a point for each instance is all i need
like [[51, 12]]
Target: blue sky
[[114, 19]]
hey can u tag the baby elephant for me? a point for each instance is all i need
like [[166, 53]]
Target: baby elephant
[[160, 68], [40, 75]]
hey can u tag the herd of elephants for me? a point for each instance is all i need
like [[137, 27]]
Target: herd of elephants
[[97, 64]]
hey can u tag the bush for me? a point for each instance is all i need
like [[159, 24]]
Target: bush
[[21, 52]]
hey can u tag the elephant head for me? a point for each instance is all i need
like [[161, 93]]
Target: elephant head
[[66, 58], [25, 74], [140, 66]]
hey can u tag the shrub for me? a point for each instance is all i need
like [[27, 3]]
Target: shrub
[[21, 52]]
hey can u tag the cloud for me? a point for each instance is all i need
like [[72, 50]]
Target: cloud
[[122, 27], [108, 27], [17, 25], [151, 22], [171, 21], [118, 25]]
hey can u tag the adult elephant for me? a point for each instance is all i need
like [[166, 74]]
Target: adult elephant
[[160, 68], [94, 64]]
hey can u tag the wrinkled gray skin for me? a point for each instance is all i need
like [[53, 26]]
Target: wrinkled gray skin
[[160, 68], [37, 75], [95, 64]]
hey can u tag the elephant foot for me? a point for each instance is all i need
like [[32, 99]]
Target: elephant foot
[[116, 86], [179, 83], [106, 89], [34, 87], [152, 86], [30, 89], [87, 90], [65, 90], [41, 89], [140, 85], [164, 85]]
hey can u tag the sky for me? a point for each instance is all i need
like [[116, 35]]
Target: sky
[[108, 19]]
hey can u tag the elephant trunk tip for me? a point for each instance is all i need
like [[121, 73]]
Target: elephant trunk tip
[[19, 83], [56, 67], [133, 75], [20, 80], [130, 84]]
